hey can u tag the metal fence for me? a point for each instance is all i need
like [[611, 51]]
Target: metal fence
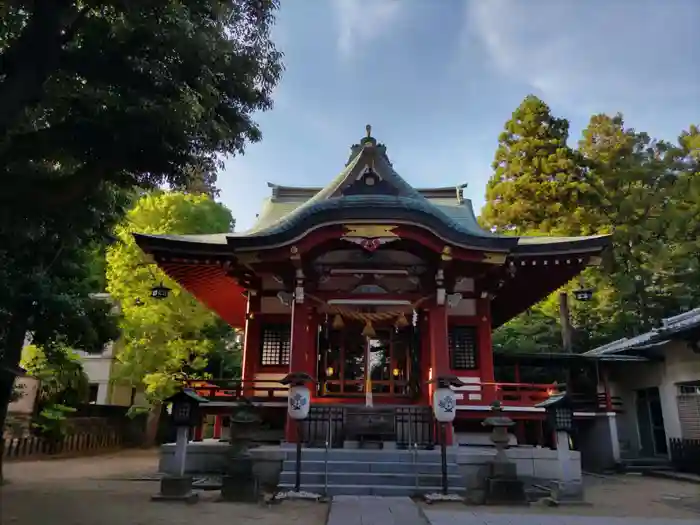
[[685, 455]]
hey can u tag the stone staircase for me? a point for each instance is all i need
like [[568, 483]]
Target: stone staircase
[[644, 465], [361, 472]]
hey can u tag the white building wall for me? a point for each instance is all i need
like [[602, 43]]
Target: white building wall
[[680, 365]]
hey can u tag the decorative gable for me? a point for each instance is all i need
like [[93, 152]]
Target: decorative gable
[[369, 182]]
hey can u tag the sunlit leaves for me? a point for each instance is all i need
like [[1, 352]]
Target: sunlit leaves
[[163, 340]]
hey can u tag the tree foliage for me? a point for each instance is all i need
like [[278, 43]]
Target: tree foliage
[[536, 177], [98, 97], [645, 192], [64, 385], [163, 340], [130, 93]]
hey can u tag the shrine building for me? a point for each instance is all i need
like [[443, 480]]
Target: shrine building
[[373, 288]]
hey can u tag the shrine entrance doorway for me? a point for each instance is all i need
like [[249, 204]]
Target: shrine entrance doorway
[[353, 365]]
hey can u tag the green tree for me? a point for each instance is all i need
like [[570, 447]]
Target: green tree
[[536, 178], [64, 386], [131, 93], [98, 97], [631, 179], [47, 277], [164, 341]]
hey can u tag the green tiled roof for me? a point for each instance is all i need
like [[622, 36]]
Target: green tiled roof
[[289, 211]]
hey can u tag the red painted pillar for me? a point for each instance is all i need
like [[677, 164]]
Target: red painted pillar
[[439, 351], [198, 432], [483, 310], [299, 360], [251, 344], [426, 361], [218, 420]]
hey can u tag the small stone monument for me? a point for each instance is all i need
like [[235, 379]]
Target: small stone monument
[[238, 483], [497, 481]]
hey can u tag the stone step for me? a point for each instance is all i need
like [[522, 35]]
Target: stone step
[[370, 478], [368, 490], [387, 467], [362, 455]]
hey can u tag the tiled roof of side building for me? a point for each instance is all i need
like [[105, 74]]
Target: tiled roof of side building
[[669, 326]]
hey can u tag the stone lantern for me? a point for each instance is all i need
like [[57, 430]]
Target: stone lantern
[[500, 483], [184, 414], [238, 482], [499, 430]]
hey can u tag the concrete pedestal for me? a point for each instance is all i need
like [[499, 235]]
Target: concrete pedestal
[[176, 488]]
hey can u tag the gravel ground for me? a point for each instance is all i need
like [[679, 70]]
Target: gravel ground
[[96, 491]]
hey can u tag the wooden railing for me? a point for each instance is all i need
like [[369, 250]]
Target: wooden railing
[[32, 446], [235, 390], [509, 394]]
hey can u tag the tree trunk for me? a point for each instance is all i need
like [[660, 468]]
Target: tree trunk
[[152, 424], [11, 356]]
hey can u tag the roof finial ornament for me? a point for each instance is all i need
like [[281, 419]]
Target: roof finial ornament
[[368, 127]]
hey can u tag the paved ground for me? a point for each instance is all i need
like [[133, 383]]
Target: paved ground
[[374, 510], [439, 517], [100, 490], [95, 491]]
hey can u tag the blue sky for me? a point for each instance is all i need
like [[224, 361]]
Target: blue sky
[[437, 79]]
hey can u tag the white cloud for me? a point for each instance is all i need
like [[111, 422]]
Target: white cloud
[[592, 55], [362, 21]]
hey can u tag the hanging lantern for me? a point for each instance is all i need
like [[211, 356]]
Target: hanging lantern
[[401, 321], [299, 396], [338, 323], [368, 330], [584, 294], [330, 371], [299, 401], [396, 372], [160, 291], [445, 399]]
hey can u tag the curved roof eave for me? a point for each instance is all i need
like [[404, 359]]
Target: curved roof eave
[[371, 208]]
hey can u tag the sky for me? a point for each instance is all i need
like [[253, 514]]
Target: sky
[[437, 80]]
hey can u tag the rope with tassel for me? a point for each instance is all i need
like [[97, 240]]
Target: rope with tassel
[[368, 318]]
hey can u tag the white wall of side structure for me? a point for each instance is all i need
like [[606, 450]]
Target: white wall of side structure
[[680, 365]]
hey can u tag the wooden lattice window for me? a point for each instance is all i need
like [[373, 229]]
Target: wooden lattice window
[[463, 347], [275, 345]]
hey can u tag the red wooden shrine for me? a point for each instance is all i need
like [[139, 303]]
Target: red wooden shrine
[[372, 287]]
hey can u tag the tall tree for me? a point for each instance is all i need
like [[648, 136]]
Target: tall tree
[[47, 277], [163, 340], [631, 179], [536, 177], [128, 92], [100, 96]]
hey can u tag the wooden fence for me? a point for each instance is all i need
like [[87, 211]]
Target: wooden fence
[[685, 455], [33, 447]]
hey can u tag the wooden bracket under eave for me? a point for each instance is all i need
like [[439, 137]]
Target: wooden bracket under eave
[[494, 258], [594, 260]]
